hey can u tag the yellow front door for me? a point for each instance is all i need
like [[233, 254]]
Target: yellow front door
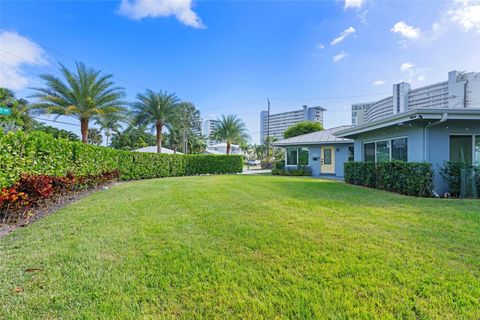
[[327, 160]]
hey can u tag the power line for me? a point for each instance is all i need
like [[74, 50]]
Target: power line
[[55, 121]]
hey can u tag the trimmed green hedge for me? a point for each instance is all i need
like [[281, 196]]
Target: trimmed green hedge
[[409, 178], [40, 153]]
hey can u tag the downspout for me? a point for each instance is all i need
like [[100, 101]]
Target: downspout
[[426, 136]]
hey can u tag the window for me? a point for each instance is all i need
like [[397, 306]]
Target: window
[[477, 150], [461, 148], [351, 153], [386, 150], [292, 156], [327, 156], [303, 156], [399, 149], [383, 151], [297, 156], [369, 152]]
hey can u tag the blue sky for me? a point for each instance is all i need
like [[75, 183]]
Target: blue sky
[[229, 56]]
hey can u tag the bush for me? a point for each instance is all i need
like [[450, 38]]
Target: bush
[[267, 164], [34, 191], [451, 173], [409, 178], [292, 171], [38, 153]]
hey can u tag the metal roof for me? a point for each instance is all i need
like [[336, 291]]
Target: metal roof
[[318, 137], [412, 115]]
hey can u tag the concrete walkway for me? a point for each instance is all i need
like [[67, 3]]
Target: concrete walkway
[[256, 171]]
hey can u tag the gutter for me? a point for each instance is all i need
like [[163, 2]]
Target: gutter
[[426, 136]]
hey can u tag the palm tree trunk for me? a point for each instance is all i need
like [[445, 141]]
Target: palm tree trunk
[[84, 129], [159, 136], [228, 147]]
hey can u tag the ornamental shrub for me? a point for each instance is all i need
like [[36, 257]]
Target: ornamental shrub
[[451, 173], [292, 171], [409, 178]]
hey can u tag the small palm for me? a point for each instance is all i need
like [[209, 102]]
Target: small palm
[[230, 129], [157, 109]]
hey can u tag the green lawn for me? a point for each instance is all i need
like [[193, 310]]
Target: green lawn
[[245, 247]]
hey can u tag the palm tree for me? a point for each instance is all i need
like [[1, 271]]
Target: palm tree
[[94, 136], [188, 123], [230, 129], [156, 108], [109, 124], [85, 95]]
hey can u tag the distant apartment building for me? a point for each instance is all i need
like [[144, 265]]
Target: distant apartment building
[[279, 122], [207, 130], [358, 112], [461, 90]]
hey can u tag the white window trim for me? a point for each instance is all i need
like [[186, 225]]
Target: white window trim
[[474, 136], [382, 140]]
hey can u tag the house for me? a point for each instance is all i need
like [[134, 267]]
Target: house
[[153, 149], [435, 124], [323, 151], [221, 148]]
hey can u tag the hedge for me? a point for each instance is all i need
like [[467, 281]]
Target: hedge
[[409, 178], [452, 173], [41, 154]]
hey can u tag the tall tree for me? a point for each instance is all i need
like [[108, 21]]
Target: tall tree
[[20, 117], [188, 124], [230, 129], [132, 138], [110, 124], [303, 127], [85, 95], [94, 136], [157, 109]]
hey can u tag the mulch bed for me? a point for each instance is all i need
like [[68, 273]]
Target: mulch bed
[[39, 213]]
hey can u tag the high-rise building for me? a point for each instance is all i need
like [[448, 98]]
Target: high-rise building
[[207, 129], [461, 90], [279, 122]]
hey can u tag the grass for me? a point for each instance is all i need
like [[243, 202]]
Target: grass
[[219, 247]]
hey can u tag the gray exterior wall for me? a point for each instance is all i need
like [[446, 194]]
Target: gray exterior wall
[[424, 144]]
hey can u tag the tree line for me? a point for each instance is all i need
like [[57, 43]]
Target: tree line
[[92, 97]]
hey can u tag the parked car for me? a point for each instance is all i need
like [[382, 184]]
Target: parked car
[[253, 162]]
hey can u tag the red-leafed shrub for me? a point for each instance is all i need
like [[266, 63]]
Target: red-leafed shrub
[[34, 191], [38, 187], [13, 205]]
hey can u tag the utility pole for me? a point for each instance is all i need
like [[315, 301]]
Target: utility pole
[[268, 129]]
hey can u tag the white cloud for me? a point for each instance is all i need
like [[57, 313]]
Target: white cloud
[[363, 16], [340, 56], [405, 30], [319, 46], [17, 51], [466, 14], [378, 82], [421, 78], [345, 33], [406, 66], [354, 4], [180, 9]]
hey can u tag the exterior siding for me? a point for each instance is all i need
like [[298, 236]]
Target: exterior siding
[[341, 156], [424, 144]]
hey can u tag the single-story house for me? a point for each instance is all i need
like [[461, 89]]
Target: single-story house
[[221, 148], [420, 135], [323, 151], [153, 149]]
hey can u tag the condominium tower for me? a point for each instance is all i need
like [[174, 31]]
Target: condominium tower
[[279, 122]]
